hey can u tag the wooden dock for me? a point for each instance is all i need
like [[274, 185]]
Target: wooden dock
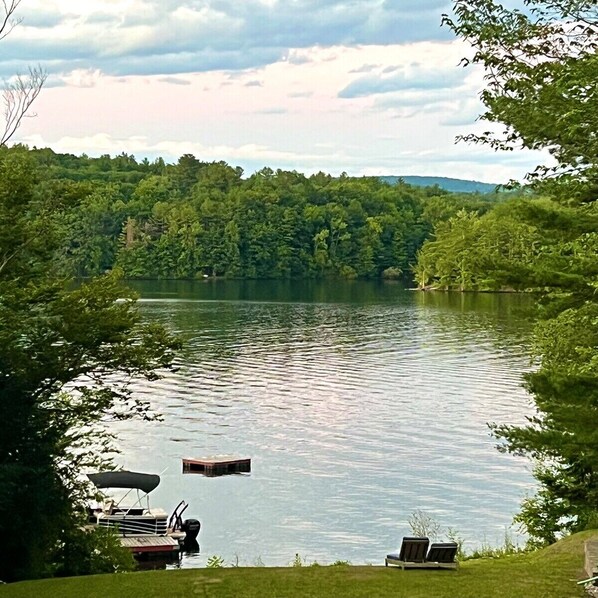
[[217, 466], [150, 544], [591, 557]]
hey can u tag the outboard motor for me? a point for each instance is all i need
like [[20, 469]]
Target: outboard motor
[[191, 528]]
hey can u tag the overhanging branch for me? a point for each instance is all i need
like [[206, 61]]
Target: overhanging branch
[[7, 23], [18, 96]]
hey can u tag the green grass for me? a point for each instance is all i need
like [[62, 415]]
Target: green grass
[[548, 573]]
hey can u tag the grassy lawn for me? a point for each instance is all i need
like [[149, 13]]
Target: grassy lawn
[[549, 573]]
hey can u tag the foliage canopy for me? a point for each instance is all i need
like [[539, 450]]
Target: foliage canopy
[[541, 64], [194, 219], [67, 358], [541, 70]]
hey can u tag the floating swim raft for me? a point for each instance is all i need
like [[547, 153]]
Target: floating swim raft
[[217, 466], [156, 545]]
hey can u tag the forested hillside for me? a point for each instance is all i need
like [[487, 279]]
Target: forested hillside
[[193, 219], [445, 183]]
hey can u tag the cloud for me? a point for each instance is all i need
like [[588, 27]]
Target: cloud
[[83, 78], [101, 18], [412, 79], [464, 153], [250, 153], [297, 58], [409, 103], [273, 110], [462, 115], [171, 37], [365, 68], [174, 81], [41, 17], [411, 98]]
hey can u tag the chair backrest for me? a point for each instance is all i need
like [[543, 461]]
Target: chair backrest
[[442, 552], [413, 550]]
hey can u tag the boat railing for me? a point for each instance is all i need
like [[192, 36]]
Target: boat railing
[[134, 526], [176, 519]]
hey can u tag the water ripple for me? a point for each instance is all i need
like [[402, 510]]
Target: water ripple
[[355, 415]]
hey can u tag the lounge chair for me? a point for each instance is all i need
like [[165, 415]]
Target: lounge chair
[[440, 556], [413, 551]]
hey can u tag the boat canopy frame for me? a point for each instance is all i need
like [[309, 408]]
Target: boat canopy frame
[[130, 480]]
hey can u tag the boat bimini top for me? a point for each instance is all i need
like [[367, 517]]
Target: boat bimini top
[[131, 480], [125, 479]]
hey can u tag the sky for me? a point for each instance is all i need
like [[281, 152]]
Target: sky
[[366, 87]]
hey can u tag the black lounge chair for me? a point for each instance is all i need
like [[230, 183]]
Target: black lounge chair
[[443, 554], [413, 551], [440, 556]]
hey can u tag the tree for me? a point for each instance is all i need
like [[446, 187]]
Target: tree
[[93, 231], [541, 67], [492, 252], [541, 70], [18, 96], [67, 359], [20, 93]]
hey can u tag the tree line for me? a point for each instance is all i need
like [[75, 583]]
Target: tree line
[[193, 219]]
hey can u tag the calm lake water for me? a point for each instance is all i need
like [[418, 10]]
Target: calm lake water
[[358, 403]]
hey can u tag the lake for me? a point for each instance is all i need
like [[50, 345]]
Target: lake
[[359, 403]]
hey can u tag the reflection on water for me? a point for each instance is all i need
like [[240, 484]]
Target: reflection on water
[[358, 403]]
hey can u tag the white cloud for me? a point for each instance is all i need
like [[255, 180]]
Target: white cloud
[[188, 35], [413, 79], [174, 80], [83, 77]]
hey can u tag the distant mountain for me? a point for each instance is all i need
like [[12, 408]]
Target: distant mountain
[[454, 185]]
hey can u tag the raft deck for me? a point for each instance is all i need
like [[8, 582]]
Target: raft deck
[[216, 466], [150, 544]]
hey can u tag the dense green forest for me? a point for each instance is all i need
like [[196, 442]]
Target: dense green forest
[[194, 219], [510, 247]]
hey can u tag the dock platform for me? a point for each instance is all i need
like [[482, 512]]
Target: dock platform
[[217, 466], [150, 544]]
